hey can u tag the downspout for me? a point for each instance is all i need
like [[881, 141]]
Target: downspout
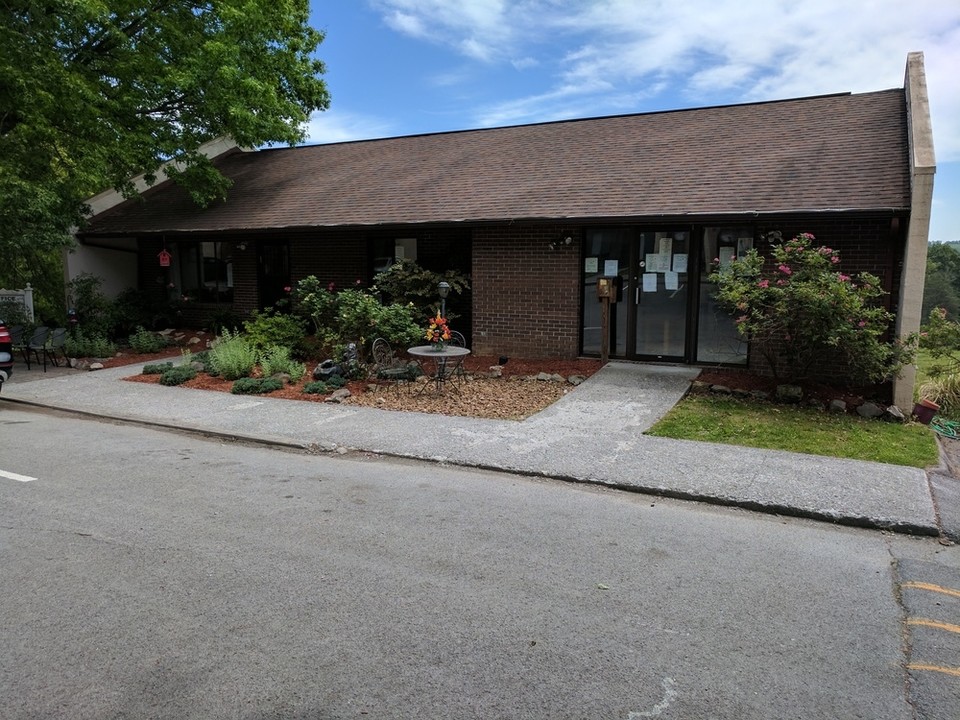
[[922, 169]]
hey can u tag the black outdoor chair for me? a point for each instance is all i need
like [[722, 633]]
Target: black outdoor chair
[[36, 346], [456, 371], [16, 339], [55, 346], [387, 366]]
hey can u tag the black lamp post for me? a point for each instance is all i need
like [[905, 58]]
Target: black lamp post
[[443, 289]]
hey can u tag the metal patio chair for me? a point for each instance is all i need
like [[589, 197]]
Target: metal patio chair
[[36, 346], [55, 346], [387, 366]]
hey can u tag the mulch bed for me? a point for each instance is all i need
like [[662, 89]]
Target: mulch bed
[[511, 396]]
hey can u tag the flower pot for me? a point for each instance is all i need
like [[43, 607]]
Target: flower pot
[[925, 410]]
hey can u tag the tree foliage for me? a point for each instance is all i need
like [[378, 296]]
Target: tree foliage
[[799, 309], [94, 93], [942, 283]]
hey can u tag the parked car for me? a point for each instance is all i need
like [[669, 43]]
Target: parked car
[[6, 353]]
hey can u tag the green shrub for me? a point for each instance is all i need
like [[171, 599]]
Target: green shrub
[[88, 345], [316, 304], [317, 387], [13, 312], [255, 386], [232, 356], [268, 328], [144, 341], [276, 359], [355, 316], [335, 381], [157, 368], [798, 309], [177, 375], [91, 305], [406, 283]]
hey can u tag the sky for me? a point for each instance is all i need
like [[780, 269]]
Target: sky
[[407, 67]]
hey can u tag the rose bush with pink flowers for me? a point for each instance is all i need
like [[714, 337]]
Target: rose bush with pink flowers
[[797, 309]]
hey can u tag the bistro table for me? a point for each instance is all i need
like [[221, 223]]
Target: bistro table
[[446, 362]]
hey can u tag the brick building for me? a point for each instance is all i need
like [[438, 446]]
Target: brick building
[[537, 213]]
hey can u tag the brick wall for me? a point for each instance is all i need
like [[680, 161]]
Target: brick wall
[[526, 297], [333, 256]]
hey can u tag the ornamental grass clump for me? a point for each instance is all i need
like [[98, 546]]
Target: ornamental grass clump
[[276, 360], [797, 309], [231, 356], [940, 338]]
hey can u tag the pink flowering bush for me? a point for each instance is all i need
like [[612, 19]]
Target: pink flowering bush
[[796, 308]]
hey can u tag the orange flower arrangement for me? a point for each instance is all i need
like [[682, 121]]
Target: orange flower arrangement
[[437, 330]]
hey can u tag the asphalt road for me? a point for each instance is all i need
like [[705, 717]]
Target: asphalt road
[[160, 575]]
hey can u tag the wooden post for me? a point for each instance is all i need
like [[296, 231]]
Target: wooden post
[[604, 329]]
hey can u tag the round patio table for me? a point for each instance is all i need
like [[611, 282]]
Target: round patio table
[[446, 362]]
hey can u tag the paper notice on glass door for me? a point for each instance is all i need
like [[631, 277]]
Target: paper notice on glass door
[[680, 262], [650, 282], [671, 281]]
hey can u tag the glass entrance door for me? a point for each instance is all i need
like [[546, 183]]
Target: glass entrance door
[[649, 319], [659, 295]]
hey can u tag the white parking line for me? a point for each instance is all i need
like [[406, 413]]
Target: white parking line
[[14, 476]]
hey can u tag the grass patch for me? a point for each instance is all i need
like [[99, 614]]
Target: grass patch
[[783, 427]]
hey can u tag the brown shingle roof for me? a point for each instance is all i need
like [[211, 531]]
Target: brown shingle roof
[[838, 152]]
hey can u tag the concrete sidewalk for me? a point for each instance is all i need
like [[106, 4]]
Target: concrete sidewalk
[[594, 434]]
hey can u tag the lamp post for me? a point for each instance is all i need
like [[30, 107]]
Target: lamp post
[[443, 289]]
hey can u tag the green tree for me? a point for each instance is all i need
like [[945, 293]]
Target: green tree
[[94, 93], [942, 283], [800, 309]]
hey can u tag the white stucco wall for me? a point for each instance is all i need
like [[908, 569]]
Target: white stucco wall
[[922, 168]]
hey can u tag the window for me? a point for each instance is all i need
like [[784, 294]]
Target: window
[[206, 270], [718, 340]]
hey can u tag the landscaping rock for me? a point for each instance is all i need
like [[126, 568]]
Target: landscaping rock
[[870, 410], [760, 395], [699, 386], [721, 389], [95, 366], [837, 406], [338, 396], [576, 379], [326, 369], [740, 393], [496, 371], [543, 377], [789, 393]]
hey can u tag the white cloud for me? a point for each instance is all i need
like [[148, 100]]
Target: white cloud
[[331, 127], [706, 51]]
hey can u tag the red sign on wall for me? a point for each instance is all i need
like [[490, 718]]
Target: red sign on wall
[[164, 258]]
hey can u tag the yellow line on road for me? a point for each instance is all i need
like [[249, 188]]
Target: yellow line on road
[[935, 668], [923, 622], [932, 588]]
